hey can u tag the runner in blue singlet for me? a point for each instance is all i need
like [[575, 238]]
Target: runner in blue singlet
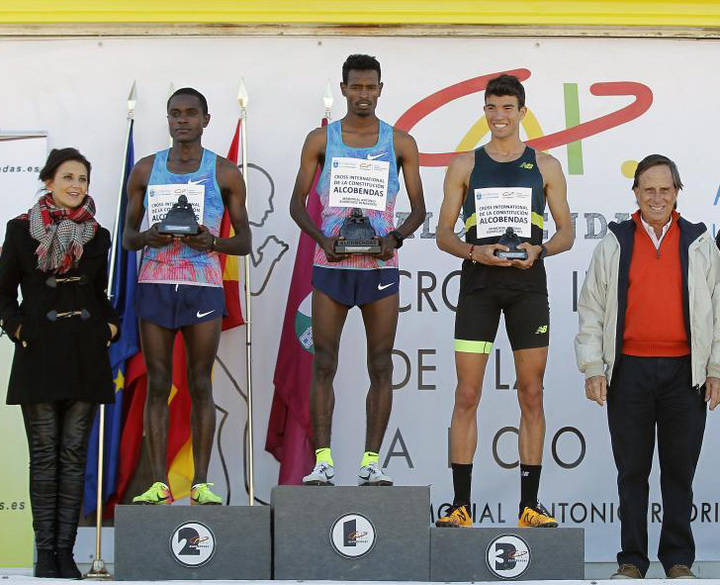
[[360, 156], [180, 286]]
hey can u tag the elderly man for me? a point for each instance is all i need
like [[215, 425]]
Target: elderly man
[[649, 342]]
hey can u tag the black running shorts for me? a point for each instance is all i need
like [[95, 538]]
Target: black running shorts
[[527, 319]]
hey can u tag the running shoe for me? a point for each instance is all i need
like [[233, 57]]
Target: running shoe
[[456, 517], [322, 474], [371, 474], [157, 493], [536, 517], [201, 494]]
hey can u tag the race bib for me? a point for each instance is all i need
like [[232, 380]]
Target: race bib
[[356, 182], [498, 208], [162, 197]]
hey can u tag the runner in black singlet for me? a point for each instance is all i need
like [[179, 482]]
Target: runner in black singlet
[[500, 185]]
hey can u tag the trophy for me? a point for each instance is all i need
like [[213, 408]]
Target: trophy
[[180, 220], [359, 236], [510, 239]]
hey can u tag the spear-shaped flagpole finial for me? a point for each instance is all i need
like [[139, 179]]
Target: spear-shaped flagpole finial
[[242, 96], [328, 100], [171, 90], [132, 100]]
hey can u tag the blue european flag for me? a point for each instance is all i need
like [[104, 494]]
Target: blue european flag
[[122, 292]]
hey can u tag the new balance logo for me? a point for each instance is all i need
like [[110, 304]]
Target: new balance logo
[[374, 156], [541, 330], [526, 165]]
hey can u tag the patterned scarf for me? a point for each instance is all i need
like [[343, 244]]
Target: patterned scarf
[[62, 233]]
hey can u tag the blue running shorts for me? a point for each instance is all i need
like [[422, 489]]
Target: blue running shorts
[[356, 287], [177, 305]]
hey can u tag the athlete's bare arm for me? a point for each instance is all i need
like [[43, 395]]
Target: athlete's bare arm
[[137, 184], [313, 153], [455, 188], [556, 197], [232, 188], [408, 160]]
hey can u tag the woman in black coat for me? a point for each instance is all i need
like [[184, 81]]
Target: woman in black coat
[[57, 253]]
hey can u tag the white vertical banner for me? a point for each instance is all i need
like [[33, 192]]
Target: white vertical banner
[[22, 155]]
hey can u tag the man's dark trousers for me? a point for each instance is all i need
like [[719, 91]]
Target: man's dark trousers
[[649, 393]]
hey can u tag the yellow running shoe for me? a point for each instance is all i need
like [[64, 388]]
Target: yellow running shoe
[[456, 517], [157, 493], [201, 494], [536, 517]]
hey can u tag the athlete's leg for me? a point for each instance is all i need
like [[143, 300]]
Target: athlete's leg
[[201, 342], [328, 319], [157, 342], [530, 369], [470, 369], [380, 318], [476, 321], [527, 318]]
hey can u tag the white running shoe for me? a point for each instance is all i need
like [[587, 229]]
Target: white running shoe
[[322, 474], [371, 474]]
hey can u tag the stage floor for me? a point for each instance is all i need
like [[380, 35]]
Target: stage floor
[[21, 577], [708, 574], [26, 580]]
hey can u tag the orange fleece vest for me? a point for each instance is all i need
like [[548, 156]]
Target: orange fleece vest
[[654, 322]]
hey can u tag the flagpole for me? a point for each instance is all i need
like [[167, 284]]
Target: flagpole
[[171, 90], [243, 101], [98, 570]]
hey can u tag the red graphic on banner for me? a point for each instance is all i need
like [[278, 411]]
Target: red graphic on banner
[[642, 94]]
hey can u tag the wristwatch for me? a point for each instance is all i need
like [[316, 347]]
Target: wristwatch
[[398, 238], [543, 252]]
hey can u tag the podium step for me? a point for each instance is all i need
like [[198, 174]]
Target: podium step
[[192, 542], [351, 533], [493, 554]]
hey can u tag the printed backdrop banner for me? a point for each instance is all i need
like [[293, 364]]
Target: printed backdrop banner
[[21, 158], [597, 105]]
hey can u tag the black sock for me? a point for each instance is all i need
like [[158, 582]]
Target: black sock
[[529, 485], [462, 476]]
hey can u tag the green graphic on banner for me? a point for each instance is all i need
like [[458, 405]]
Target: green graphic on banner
[[572, 119], [16, 536]]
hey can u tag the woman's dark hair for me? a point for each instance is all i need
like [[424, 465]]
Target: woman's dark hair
[[57, 157]]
